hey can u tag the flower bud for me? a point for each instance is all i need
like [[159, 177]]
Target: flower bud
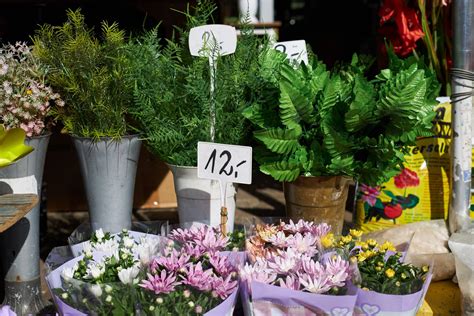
[[191, 304]]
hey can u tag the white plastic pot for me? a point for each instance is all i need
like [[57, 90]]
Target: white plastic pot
[[199, 199]]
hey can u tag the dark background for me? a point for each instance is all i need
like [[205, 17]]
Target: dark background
[[334, 29]]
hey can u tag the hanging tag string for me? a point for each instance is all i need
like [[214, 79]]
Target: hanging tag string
[[462, 74]]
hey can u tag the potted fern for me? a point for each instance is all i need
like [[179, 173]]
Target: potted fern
[[326, 127], [90, 72], [173, 107]]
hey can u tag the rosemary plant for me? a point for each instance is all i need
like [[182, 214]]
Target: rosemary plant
[[89, 72]]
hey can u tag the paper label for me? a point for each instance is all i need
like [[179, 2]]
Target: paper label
[[228, 163], [24, 185], [203, 39], [295, 50]]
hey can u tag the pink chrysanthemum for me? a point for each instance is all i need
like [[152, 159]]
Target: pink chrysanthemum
[[224, 287], [198, 278], [160, 283]]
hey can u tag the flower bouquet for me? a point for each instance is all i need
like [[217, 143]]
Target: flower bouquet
[[387, 286], [293, 273], [83, 238], [187, 276], [25, 97]]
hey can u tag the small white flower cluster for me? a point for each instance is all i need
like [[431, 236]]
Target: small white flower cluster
[[25, 99]]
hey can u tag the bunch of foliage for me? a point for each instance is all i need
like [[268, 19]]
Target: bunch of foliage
[[173, 103], [314, 122], [89, 72], [25, 97]]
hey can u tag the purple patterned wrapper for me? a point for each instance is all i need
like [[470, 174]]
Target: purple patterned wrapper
[[370, 303], [278, 301]]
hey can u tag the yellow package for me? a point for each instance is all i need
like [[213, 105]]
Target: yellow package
[[421, 191]]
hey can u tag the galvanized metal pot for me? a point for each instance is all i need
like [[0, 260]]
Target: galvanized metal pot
[[319, 199], [20, 244], [108, 168], [199, 199]]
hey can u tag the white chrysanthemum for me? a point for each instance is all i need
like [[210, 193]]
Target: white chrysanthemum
[[127, 276]]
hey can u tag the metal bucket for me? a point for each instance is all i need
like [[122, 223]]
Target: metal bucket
[[199, 200], [319, 199], [108, 169], [20, 245]]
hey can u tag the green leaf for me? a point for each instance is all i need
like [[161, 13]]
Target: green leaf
[[282, 171], [12, 146], [278, 140]]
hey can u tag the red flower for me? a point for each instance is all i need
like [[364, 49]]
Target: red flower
[[408, 28], [392, 211], [407, 178]]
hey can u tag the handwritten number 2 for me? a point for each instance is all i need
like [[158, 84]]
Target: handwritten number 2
[[229, 157]]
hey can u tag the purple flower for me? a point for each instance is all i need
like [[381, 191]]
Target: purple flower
[[258, 272], [285, 262], [320, 230], [303, 244], [198, 278], [311, 267], [173, 262], [300, 227], [317, 284], [212, 241], [290, 282], [162, 283], [279, 240], [224, 287], [221, 264], [338, 270]]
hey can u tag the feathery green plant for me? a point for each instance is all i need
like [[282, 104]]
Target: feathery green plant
[[172, 90], [89, 72], [339, 122]]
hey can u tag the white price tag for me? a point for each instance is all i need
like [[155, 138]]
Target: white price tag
[[22, 185], [227, 163], [295, 50], [203, 38]]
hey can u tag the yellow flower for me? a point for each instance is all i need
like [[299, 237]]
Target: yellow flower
[[365, 289], [355, 233], [390, 273], [397, 283], [403, 275], [380, 264], [378, 268], [29, 92], [370, 253], [387, 246], [328, 240], [372, 242], [361, 257], [346, 239], [425, 268], [362, 245]]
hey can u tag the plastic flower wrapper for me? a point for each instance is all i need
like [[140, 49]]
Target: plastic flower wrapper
[[193, 274], [292, 273], [83, 239], [6, 311], [387, 286], [267, 239]]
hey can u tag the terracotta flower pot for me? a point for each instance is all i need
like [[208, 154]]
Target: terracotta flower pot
[[318, 199]]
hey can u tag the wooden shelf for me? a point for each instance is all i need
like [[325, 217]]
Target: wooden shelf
[[14, 207]]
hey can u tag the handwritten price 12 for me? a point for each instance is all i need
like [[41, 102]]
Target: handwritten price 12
[[228, 163]]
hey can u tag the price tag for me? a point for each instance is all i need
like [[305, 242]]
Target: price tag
[[203, 38], [22, 185], [227, 163], [295, 50]]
